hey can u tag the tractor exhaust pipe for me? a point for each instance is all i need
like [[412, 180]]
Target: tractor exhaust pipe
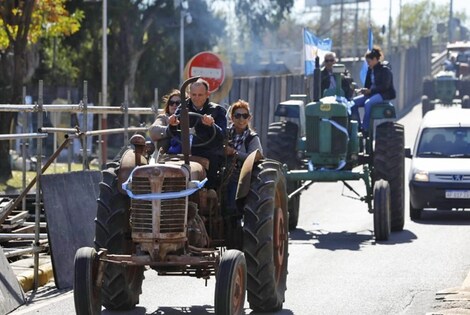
[[184, 120], [316, 80]]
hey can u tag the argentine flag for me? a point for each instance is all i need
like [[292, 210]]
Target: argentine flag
[[363, 72], [313, 47]]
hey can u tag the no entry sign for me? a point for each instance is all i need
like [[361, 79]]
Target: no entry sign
[[208, 66]]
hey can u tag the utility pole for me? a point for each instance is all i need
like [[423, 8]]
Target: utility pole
[[451, 24], [389, 35]]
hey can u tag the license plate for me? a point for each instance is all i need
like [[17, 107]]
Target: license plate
[[458, 194]]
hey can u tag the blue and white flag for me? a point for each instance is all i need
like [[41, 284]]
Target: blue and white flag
[[363, 72], [314, 46]]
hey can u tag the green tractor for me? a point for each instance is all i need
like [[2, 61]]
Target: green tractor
[[320, 142], [451, 85], [445, 89]]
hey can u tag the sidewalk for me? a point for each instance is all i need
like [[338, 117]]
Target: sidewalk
[[24, 271], [453, 300]]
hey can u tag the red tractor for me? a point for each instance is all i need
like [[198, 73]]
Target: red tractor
[[158, 214]]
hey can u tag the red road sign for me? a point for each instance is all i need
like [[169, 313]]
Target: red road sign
[[208, 66]]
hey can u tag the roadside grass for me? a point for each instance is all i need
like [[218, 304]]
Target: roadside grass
[[16, 182]]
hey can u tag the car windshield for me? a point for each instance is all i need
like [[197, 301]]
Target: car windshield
[[453, 142]]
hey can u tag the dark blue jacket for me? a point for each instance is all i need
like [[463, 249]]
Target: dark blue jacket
[[204, 132], [383, 81]]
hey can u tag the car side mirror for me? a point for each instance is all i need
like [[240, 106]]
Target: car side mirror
[[408, 153]]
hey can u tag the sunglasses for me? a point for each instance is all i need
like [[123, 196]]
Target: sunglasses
[[238, 116], [174, 103], [329, 60]]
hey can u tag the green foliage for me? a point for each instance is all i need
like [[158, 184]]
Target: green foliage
[[420, 19]]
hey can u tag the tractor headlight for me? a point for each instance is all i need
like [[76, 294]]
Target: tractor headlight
[[421, 176]]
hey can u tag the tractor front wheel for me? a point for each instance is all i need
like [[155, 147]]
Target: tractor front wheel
[[389, 164], [230, 285], [265, 237], [86, 294], [381, 210]]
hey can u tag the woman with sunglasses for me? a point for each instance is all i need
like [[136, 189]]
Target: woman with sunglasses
[[242, 141], [158, 132]]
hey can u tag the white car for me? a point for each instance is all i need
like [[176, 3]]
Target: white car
[[440, 166]]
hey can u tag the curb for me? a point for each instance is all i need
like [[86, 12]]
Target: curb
[[26, 278]]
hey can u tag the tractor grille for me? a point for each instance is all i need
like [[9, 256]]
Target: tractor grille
[[338, 140], [172, 211]]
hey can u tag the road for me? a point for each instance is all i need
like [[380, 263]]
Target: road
[[335, 265]]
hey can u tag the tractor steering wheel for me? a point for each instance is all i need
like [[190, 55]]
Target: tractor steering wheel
[[192, 131]]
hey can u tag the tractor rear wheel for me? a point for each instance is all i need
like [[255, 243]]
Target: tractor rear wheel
[[230, 285], [381, 210], [281, 143], [389, 164], [86, 294], [122, 285], [281, 146], [265, 237]]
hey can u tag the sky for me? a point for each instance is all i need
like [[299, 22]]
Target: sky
[[380, 8]]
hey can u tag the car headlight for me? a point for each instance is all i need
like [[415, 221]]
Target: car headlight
[[421, 176]]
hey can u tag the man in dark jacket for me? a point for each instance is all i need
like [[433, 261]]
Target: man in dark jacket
[[377, 88], [328, 80], [213, 119]]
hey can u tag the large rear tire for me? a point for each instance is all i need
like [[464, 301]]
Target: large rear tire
[[265, 237], [281, 146], [122, 285], [381, 210], [282, 142], [86, 294], [230, 285], [389, 164]]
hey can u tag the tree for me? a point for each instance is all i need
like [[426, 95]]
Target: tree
[[22, 24], [414, 26]]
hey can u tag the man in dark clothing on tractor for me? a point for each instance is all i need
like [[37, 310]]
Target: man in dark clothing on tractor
[[213, 119]]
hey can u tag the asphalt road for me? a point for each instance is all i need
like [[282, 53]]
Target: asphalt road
[[335, 265]]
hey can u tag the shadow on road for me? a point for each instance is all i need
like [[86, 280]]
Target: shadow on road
[[194, 310], [346, 240]]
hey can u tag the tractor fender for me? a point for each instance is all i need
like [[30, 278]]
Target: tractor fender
[[129, 160], [244, 181]]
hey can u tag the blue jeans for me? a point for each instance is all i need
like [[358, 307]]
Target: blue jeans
[[367, 102]]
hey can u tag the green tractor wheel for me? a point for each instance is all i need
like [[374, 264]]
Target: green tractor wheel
[[389, 164], [281, 146], [265, 237], [381, 210], [122, 285]]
